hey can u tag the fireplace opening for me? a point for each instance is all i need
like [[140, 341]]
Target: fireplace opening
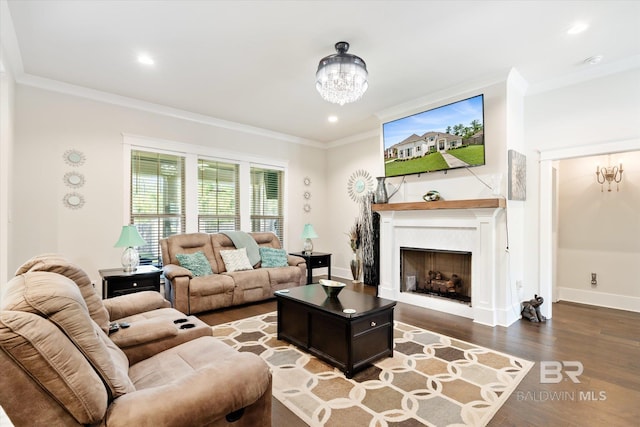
[[436, 273]]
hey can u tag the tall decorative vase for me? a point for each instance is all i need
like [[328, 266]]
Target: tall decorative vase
[[356, 267], [380, 196]]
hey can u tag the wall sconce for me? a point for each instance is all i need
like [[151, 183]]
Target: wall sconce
[[609, 174]]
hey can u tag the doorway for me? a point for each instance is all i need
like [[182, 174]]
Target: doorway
[[548, 209]]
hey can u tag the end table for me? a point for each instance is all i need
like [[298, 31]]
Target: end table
[[116, 281], [315, 260]]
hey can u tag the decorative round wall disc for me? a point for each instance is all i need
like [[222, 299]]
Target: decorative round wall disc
[[73, 200], [359, 185], [74, 157], [73, 179]]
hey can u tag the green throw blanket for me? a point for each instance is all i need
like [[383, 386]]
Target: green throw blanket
[[242, 239]]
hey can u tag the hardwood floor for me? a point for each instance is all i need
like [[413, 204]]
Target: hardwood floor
[[605, 341]]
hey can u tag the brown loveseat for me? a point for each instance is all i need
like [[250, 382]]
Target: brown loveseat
[[60, 368], [194, 294]]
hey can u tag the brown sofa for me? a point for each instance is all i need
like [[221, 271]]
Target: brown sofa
[[190, 294], [60, 368], [152, 321]]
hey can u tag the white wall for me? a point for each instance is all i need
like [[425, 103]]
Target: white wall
[[49, 123], [517, 278], [7, 86], [595, 111], [599, 232], [341, 211], [569, 122]]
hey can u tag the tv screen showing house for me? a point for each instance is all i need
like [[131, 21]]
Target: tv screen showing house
[[446, 137]]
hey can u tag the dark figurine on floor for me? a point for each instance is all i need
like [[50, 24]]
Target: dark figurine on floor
[[531, 309]]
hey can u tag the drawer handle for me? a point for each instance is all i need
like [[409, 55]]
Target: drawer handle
[[373, 324]]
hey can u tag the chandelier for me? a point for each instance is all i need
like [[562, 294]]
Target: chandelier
[[342, 77], [609, 174]]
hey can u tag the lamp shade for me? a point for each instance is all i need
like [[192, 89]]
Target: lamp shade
[[129, 237], [308, 232]]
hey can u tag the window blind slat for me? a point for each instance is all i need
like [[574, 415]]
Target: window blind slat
[[157, 205], [267, 201], [218, 194]]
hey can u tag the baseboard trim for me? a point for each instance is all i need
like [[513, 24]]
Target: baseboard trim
[[601, 299]]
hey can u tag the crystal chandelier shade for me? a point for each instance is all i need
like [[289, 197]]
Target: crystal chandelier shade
[[342, 77]]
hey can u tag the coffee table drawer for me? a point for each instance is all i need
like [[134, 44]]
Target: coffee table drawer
[[371, 322], [372, 345]]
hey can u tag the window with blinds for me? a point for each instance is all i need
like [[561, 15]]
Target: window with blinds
[[218, 194], [157, 199], [267, 201]]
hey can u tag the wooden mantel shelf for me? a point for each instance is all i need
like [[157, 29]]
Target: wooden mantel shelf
[[440, 204]]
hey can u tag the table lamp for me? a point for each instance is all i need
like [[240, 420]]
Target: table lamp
[[308, 233], [129, 238]]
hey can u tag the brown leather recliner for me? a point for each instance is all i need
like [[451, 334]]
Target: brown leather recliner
[[60, 368], [153, 325]]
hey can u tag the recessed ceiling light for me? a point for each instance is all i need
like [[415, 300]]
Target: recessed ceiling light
[[145, 59], [593, 60], [332, 119], [577, 28]]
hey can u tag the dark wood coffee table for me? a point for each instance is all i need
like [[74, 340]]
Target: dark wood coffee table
[[319, 325]]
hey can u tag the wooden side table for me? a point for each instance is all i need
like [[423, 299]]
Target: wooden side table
[[116, 282], [315, 260]]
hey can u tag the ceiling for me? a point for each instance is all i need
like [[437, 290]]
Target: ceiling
[[254, 62]]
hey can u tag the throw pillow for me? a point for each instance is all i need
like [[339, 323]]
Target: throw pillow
[[236, 260], [196, 262], [272, 257]]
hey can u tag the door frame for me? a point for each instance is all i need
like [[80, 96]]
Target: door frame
[[548, 202]]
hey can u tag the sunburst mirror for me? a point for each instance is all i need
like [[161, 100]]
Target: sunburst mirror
[[359, 185]]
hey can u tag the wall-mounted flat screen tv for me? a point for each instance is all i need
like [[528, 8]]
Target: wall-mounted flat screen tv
[[443, 138]]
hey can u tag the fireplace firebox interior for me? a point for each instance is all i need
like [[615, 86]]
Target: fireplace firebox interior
[[436, 273]]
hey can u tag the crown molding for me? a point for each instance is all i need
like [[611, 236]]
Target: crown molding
[[440, 96], [516, 81], [595, 149], [136, 104], [354, 138], [172, 146], [585, 74], [10, 52]]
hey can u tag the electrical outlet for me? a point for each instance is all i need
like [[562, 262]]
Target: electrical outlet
[[594, 279], [518, 284]]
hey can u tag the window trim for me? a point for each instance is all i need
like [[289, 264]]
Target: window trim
[[192, 152]]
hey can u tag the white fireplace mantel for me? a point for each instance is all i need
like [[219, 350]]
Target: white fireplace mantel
[[477, 226]]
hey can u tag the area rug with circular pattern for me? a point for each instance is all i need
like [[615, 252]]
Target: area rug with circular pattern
[[431, 379]]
